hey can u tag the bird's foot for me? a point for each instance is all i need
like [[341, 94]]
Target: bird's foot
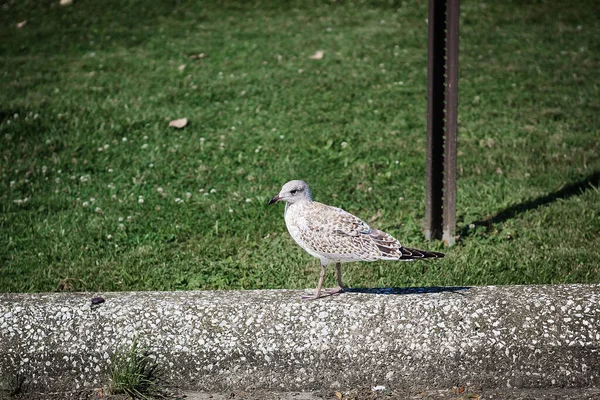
[[324, 293], [333, 291], [307, 297]]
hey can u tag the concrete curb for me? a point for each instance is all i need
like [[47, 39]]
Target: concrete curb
[[435, 338]]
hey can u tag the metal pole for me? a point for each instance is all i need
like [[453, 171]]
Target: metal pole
[[442, 107], [452, 18], [435, 120]]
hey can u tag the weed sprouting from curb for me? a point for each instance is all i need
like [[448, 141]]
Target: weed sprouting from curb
[[134, 372]]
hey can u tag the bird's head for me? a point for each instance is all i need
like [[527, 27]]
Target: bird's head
[[293, 192]]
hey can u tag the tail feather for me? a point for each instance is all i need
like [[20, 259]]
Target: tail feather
[[415, 254], [391, 249]]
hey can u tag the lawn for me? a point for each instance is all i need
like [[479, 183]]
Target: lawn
[[98, 193]]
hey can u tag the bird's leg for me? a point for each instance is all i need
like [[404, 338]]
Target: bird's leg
[[318, 291], [338, 267], [340, 288]]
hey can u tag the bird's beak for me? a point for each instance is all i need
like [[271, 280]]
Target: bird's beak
[[274, 199]]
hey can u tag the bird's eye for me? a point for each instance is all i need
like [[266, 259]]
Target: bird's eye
[[293, 192]]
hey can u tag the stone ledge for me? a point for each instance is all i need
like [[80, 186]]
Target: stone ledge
[[434, 338]]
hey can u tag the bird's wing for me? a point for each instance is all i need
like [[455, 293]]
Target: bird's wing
[[337, 221], [331, 230], [338, 235]]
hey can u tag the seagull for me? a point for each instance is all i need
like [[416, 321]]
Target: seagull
[[335, 236]]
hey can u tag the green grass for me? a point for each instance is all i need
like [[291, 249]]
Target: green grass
[[133, 372], [75, 81]]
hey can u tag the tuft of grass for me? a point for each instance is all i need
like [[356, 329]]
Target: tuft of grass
[[134, 373]]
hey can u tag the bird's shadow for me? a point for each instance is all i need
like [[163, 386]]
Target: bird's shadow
[[591, 181], [410, 290]]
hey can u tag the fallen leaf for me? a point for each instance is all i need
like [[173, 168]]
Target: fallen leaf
[[66, 2], [178, 123], [338, 395], [181, 67], [318, 55], [22, 24]]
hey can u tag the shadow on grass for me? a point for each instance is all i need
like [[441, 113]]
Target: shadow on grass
[[412, 290], [573, 189]]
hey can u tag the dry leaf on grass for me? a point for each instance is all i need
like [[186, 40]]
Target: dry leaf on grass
[[66, 2], [318, 55], [181, 67], [178, 123], [22, 24]]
